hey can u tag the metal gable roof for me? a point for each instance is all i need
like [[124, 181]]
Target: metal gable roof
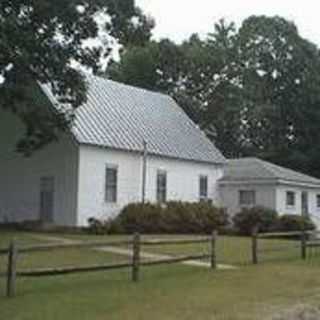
[[121, 117], [257, 169]]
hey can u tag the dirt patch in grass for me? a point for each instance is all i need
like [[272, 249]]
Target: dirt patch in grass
[[302, 312]]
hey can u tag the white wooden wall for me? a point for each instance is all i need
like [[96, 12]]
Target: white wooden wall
[[312, 201], [182, 180], [229, 193], [20, 177], [271, 196]]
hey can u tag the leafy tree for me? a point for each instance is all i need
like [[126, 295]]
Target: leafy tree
[[223, 92], [41, 40], [254, 90], [155, 66], [200, 75], [280, 78]]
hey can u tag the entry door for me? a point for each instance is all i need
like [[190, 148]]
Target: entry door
[[46, 199], [304, 203]]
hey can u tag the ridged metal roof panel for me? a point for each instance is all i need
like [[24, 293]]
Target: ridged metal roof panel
[[121, 117]]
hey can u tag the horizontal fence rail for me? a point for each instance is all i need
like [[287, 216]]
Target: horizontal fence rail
[[174, 242], [313, 244], [302, 235], [135, 264], [41, 272], [283, 234], [279, 248], [73, 245], [176, 259], [97, 244]]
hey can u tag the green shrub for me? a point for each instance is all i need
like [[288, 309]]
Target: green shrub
[[177, 218], [208, 217], [268, 220], [263, 218], [293, 222], [173, 217], [96, 226], [99, 227], [143, 218]]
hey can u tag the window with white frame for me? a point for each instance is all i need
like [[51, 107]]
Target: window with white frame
[[247, 197], [203, 188], [290, 199], [111, 183], [161, 186], [318, 201]]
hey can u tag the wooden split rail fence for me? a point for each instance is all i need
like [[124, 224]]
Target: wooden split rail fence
[[13, 251], [136, 262], [303, 244]]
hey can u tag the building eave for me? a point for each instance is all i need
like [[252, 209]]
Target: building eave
[[270, 181], [139, 152], [299, 184]]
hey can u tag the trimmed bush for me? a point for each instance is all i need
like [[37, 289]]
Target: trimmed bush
[[143, 218], [293, 222], [173, 217], [263, 218], [203, 217], [268, 220], [99, 227], [96, 226]]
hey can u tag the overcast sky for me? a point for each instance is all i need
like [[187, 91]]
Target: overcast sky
[[177, 19]]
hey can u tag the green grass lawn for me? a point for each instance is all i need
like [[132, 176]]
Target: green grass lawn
[[22, 238], [164, 292]]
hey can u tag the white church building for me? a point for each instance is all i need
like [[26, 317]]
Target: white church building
[[126, 144]]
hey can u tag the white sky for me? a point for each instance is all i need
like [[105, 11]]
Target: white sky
[[177, 19]]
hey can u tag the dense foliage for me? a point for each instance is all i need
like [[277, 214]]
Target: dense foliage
[[256, 217], [196, 218], [255, 90], [42, 41], [103, 227], [292, 222], [267, 220], [172, 218]]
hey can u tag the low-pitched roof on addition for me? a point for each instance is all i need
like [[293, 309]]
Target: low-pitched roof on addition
[[121, 117], [253, 169]]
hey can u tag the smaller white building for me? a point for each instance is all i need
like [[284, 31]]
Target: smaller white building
[[99, 166], [250, 182]]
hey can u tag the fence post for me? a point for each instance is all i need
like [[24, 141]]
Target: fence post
[[255, 245], [136, 257], [213, 255], [303, 245], [11, 273]]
